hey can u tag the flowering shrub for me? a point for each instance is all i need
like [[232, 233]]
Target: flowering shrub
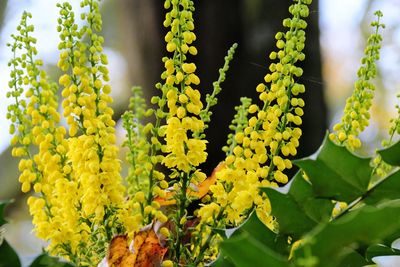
[[91, 216]]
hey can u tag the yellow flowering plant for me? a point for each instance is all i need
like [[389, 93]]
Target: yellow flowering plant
[[248, 212]]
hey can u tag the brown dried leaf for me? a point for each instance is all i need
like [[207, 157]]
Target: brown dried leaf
[[147, 251], [119, 253]]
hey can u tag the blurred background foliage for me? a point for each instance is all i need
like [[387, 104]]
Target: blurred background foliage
[[134, 42]]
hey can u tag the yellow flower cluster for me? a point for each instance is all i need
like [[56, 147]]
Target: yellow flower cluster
[[176, 137], [184, 150], [356, 112], [93, 154], [136, 142], [76, 181], [258, 151], [53, 206]]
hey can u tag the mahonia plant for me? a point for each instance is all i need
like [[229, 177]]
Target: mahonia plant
[[78, 201], [78, 197], [335, 198], [260, 149], [265, 136], [356, 113], [81, 205]]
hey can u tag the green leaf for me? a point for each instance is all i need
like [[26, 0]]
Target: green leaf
[[222, 261], [44, 260], [253, 244], [298, 211], [391, 155], [257, 229], [336, 173], [8, 257], [3, 204], [391, 238], [291, 219], [319, 210], [386, 189], [246, 251], [380, 250], [353, 259], [331, 242]]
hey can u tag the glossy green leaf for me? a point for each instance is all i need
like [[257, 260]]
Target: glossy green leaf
[[222, 261], [8, 257], [246, 251], [386, 189], [254, 226], [353, 259], [331, 242], [257, 229], [257, 245], [319, 210], [391, 155], [44, 260], [380, 250], [391, 238], [336, 173], [3, 204], [298, 211]]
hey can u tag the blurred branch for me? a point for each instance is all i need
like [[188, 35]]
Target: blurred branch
[[3, 6], [8, 175]]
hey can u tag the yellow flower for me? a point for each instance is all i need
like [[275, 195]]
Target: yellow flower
[[76, 179], [257, 150], [356, 112]]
